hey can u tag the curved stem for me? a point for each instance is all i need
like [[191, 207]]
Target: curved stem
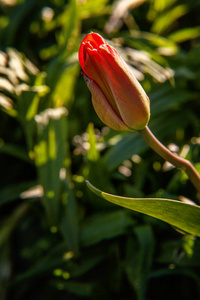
[[177, 161]]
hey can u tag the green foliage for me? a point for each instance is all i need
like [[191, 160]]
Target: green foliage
[[184, 216], [57, 239]]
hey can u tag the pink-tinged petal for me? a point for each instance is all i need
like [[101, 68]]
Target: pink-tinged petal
[[103, 109], [89, 66], [94, 70], [130, 98]]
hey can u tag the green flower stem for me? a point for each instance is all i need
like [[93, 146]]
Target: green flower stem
[[177, 161]]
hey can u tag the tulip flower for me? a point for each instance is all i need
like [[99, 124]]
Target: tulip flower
[[117, 96]]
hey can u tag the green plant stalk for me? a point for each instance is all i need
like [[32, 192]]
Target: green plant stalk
[[177, 161]]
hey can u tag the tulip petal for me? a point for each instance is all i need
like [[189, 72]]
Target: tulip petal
[[103, 108], [93, 67], [116, 84], [95, 40], [129, 96], [91, 64]]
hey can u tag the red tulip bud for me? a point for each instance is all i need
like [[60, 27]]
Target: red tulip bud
[[117, 96]]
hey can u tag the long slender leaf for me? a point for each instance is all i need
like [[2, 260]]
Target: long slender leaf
[[183, 216]]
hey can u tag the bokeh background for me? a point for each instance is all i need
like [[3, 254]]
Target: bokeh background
[[57, 239]]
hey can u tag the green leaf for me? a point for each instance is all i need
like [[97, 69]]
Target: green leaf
[[167, 19], [183, 216], [69, 218], [63, 63], [185, 34], [105, 226], [11, 222], [79, 288], [169, 99], [92, 8], [68, 36], [66, 77], [15, 151], [50, 152], [92, 153], [139, 259], [13, 192]]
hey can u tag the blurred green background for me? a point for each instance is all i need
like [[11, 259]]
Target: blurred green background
[[57, 239]]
